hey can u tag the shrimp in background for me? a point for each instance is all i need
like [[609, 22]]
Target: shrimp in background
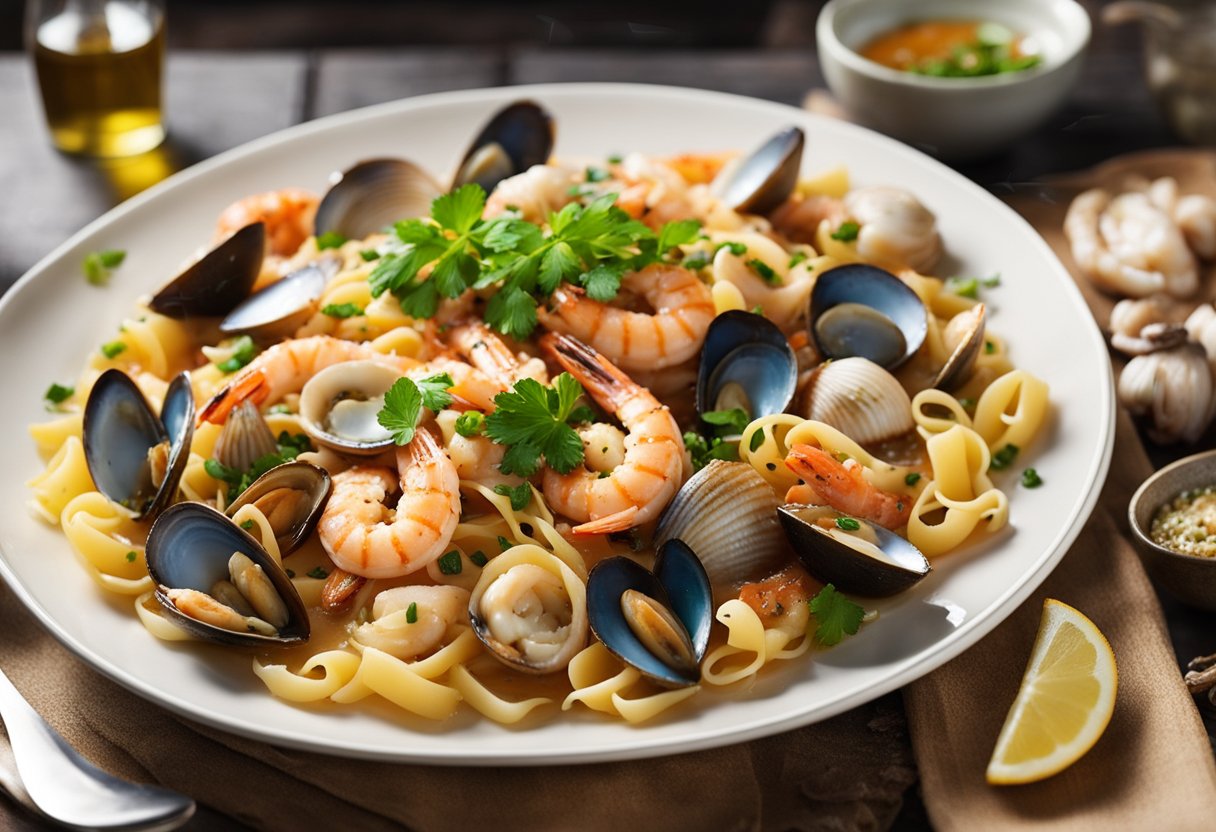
[[287, 213], [843, 486]]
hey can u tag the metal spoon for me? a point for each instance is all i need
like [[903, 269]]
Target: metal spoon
[[71, 791]]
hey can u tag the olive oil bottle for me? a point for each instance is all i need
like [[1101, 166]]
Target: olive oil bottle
[[99, 68]]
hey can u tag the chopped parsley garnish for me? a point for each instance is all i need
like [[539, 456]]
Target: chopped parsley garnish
[[317, 572], [341, 310], [449, 564], [703, 451], [991, 53], [1031, 478], [479, 558], [1004, 457], [991, 281], [248, 525], [695, 261], [836, 616], [530, 419], [369, 254], [989, 348], [520, 495], [470, 423], [966, 404], [737, 249], [595, 174], [735, 420], [964, 287], [591, 246], [847, 232], [113, 349], [912, 479], [411, 613], [764, 270], [615, 159], [280, 408], [403, 404], [131, 556], [797, 258], [58, 394], [98, 265], [243, 351], [758, 310], [330, 239], [847, 524], [504, 544], [581, 415], [290, 446], [757, 441]]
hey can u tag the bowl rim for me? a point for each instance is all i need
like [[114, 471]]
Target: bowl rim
[[1075, 38], [1164, 474]]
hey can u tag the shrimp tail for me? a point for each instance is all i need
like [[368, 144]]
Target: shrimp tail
[[604, 382], [253, 387], [618, 522]]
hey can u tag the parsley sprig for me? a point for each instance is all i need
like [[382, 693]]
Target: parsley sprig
[[531, 420], [403, 403], [835, 615], [590, 246]]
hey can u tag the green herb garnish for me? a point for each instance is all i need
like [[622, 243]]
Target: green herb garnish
[[131, 556], [737, 249], [735, 420], [847, 524], [470, 423], [248, 525], [411, 613], [1031, 478], [369, 254], [530, 419], [98, 265], [594, 174], [964, 287], [847, 232], [504, 544], [58, 394], [835, 615], [912, 479], [113, 349], [317, 572], [243, 351], [693, 262], [764, 270], [520, 495], [341, 310], [1004, 457], [449, 564], [797, 258], [479, 558], [289, 447], [403, 403], [330, 239]]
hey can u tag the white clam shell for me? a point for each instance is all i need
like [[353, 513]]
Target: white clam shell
[[727, 514], [860, 399], [338, 406]]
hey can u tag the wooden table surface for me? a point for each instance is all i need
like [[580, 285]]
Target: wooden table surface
[[217, 100]]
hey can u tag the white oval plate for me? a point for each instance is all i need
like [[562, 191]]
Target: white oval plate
[[51, 319]]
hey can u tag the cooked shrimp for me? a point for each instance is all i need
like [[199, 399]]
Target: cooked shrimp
[[470, 385], [535, 193], [798, 218], [896, 229], [844, 487], [780, 600], [438, 610], [288, 214], [672, 334], [487, 352], [1129, 245], [365, 537], [641, 486], [285, 367]]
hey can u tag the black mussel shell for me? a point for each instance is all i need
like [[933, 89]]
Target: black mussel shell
[[897, 565], [294, 515], [862, 310], [189, 547], [767, 177], [218, 281], [749, 353], [283, 306], [514, 139]]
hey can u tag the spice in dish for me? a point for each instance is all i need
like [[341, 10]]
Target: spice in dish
[[952, 49], [1187, 524]]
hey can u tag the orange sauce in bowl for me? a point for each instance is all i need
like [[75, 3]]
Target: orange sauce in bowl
[[913, 44]]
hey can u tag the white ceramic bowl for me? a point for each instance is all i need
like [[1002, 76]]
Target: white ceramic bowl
[[953, 118]]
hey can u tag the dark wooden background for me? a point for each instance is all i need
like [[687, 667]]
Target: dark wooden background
[[217, 99]]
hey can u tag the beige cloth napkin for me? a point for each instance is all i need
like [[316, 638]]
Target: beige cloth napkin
[[1153, 768]]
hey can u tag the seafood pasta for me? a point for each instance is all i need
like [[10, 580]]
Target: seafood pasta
[[549, 436]]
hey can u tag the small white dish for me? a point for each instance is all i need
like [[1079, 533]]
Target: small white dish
[[952, 118]]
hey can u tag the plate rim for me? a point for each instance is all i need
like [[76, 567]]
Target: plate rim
[[960, 639]]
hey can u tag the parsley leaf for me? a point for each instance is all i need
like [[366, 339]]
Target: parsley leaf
[[113, 349], [679, 233], [58, 394], [402, 410], [434, 390], [341, 310], [289, 447], [836, 616], [765, 271], [847, 232], [520, 495], [1031, 478], [1004, 457], [97, 265], [243, 351], [964, 287], [735, 420], [703, 451], [531, 420], [330, 239], [470, 423]]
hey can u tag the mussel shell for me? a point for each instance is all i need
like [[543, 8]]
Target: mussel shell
[[961, 363], [283, 306], [857, 332], [859, 398], [177, 418], [678, 581], [514, 139], [767, 177], [335, 384], [314, 482], [727, 515], [218, 281], [189, 547], [750, 351], [120, 429], [847, 568], [369, 197]]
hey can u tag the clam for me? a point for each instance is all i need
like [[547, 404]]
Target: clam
[[283, 306], [727, 515], [859, 398], [852, 554], [218, 281], [369, 197], [746, 363], [135, 457], [339, 406], [861, 310], [514, 139], [530, 610], [767, 177], [964, 336], [657, 622], [197, 557], [245, 438], [291, 496]]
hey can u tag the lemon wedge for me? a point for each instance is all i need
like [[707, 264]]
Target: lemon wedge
[[1065, 701]]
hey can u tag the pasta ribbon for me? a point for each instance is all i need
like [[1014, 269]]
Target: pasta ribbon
[[747, 636], [600, 681], [50, 436], [961, 488], [99, 531], [1011, 410], [156, 622], [64, 479], [489, 704], [782, 431], [339, 669]]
